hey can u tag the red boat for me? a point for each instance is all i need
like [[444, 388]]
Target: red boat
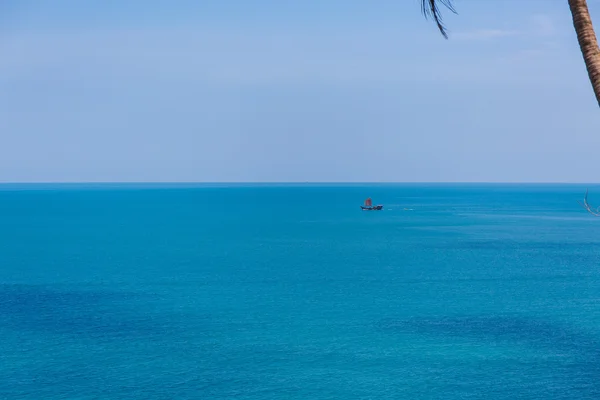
[[369, 205]]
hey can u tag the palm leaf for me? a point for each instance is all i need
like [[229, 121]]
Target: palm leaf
[[431, 9]]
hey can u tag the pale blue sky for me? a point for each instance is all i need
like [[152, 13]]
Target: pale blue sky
[[312, 90]]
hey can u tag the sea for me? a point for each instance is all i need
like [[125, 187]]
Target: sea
[[291, 291]]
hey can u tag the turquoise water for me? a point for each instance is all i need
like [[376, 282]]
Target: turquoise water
[[293, 292]]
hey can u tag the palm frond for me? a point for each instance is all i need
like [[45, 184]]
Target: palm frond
[[588, 207], [431, 9]]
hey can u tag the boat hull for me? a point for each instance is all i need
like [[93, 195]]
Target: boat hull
[[371, 208]]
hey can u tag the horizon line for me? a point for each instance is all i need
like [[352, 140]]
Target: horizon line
[[3, 183]]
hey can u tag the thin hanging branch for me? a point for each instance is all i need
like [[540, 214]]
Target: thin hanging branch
[[586, 205], [431, 9]]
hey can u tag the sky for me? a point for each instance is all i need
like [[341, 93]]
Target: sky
[[293, 91]]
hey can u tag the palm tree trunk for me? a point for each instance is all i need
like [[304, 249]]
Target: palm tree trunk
[[587, 42]]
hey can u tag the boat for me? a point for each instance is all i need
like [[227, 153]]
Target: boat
[[370, 207]]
